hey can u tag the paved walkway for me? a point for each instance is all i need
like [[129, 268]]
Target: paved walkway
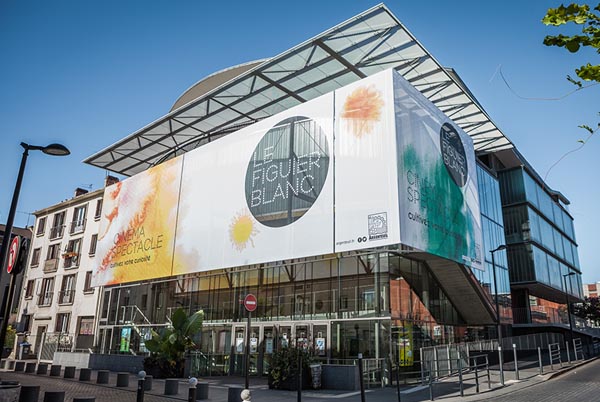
[[447, 390]]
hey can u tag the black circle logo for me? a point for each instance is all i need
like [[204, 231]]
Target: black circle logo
[[287, 171], [453, 154]]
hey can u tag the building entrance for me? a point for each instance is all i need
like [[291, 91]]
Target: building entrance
[[267, 338]]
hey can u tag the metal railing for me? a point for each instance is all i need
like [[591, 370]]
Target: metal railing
[[45, 299], [57, 232], [77, 226], [66, 296]]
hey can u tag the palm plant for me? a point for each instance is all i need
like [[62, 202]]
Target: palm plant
[[168, 346]]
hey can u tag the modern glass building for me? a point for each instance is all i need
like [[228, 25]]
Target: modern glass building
[[360, 133]]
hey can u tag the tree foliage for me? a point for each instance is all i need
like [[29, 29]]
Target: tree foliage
[[589, 310], [589, 20]]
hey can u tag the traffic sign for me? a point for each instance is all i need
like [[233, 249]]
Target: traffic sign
[[250, 302], [13, 254]]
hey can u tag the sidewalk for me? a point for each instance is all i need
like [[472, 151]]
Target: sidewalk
[[446, 390]]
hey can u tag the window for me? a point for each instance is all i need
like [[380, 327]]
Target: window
[[72, 253], [45, 297], [93, 244], [62, 322], [67, 290], [87, 287], [98, 212], [78, 223], [51, 263], [29, 289], [86, 326], [58, 225], [35, 257], [41, 227]]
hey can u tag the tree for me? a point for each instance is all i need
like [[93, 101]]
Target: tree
[[589, 310], [589, 20]]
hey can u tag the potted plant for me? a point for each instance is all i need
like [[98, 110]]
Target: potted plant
[[167, 347], [284, 368]]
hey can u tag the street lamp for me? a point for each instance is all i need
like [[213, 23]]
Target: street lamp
[[569, 304], [499, 329], [54, 150]]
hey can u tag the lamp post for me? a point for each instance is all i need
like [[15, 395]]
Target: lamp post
[[568, 304], [52, 149], [498, 327]]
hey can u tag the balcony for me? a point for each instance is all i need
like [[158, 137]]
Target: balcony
[[57, 232], [71, 260], [45, 299], [66, 296], [77, 227], [50, 265]]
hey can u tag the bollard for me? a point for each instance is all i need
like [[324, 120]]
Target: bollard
[[568, 354], [30, 367], [148, 383], [202, 391], [487, 369], [55, 370], [102, 377], [516, 361], [360, 375], [430, 385], [233, 394], [69, 372], [398, 377], [85, 374], [84, 399], [422, 369], [476, 377], [122, 380], [540, 360], [42, 369], [192, 389], [141, 387], [171, 386], [19, 366], [460, 377], [500, 362], [299, 378], [54, 396], [29, 393]]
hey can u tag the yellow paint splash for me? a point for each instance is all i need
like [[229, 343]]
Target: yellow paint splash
[[242, 230], [362, 109]]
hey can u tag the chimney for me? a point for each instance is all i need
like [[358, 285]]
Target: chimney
[[80, 191], [110, 180]]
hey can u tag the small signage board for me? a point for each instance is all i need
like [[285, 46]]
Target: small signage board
[[250, 302], [13, 254]]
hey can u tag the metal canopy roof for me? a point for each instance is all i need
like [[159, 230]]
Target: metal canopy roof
[[363, 45]]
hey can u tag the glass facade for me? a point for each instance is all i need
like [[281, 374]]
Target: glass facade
[[540, 235], [339, 306], [493, 236]]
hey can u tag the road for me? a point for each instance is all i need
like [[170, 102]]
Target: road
[[580, 385]]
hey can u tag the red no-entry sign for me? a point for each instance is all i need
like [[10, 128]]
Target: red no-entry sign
[[250, 302], [13, 253]]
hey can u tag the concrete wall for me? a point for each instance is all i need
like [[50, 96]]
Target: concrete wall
[[340, 377], [132, 364], [79, 360]]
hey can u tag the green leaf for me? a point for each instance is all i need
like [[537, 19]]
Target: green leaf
[[194, 324], [587, 128], [178, 318]]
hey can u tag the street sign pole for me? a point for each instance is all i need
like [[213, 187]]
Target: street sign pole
[[250, 304]]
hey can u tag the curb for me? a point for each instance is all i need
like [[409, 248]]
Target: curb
[[567, 369]]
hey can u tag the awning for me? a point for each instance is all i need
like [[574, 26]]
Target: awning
[[372, 41]]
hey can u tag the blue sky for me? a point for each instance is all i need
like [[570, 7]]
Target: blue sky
[[88, 73]]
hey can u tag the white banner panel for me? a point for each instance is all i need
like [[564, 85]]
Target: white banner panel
[[437, 180], [366, 183], [262, 194]]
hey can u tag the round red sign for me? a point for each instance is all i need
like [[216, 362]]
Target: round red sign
[[13, 253], [250, 302]]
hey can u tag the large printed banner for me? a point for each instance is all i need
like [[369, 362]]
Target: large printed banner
[[371, 164], [437, 180]]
